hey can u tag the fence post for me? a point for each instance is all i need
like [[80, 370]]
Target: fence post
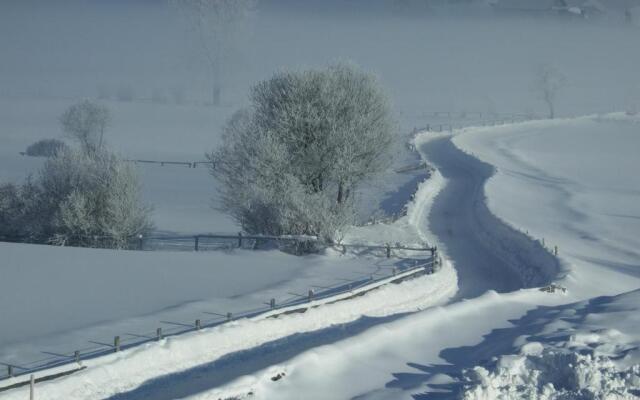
[[197, 242], [140, 242], [272, 303], [198, 325], [311, 294], [76, 356], [388, 250], [239, 239], [10, 371], [159, 334], [32, 383], [229, 316], [116, 343]]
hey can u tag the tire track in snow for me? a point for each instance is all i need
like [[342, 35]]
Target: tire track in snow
[[488, 254]]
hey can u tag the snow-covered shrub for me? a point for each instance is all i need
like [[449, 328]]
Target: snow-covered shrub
[[10, 210], [550, 374], [291, 163], [86, 122], [45, 148], [79, 198]]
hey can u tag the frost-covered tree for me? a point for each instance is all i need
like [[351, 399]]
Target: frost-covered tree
[[292, 161], [86, 122], [548, 82], [218, 25], [45, 148], [78, 198]]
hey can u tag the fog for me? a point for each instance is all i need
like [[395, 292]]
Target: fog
[[465, 57]]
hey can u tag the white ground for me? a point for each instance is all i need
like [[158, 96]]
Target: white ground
[[57, 300], [543, 188], [189, 354], [427, 352]]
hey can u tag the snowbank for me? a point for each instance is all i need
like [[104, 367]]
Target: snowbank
[[524, 343], [586, 350], [572, 185]]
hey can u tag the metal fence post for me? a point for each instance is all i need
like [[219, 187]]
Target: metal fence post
[[140, 242], [32, 383], [10, 371], [197, 242], [272, 303], [76, 356], [198, 325], [239, 239], [159, 334], [116, 343], [229, 316]]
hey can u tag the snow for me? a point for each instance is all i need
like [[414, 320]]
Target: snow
[[74, 296], [574, 184], [128, 370], [518, 344], [582, 352]]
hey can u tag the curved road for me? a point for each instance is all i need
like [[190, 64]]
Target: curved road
[[481, 246]]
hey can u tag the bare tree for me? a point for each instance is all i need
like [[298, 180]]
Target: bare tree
[[548, 82], [218, 24], [86, 122], [291, 163]]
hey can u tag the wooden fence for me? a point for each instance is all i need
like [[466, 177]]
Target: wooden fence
[[428, 263]]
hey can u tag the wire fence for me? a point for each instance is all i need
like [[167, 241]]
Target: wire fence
[[411, 262]]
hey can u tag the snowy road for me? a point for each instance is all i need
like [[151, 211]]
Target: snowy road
[[481, 246]]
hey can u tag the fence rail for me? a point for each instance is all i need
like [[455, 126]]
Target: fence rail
[[196, 242], [188, 164], [292, 303]]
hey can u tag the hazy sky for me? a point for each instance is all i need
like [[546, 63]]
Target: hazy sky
[[462, 58]]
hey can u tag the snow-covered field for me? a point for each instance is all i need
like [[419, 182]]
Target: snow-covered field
[[58, 300], [570, 184], [190, 354]]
